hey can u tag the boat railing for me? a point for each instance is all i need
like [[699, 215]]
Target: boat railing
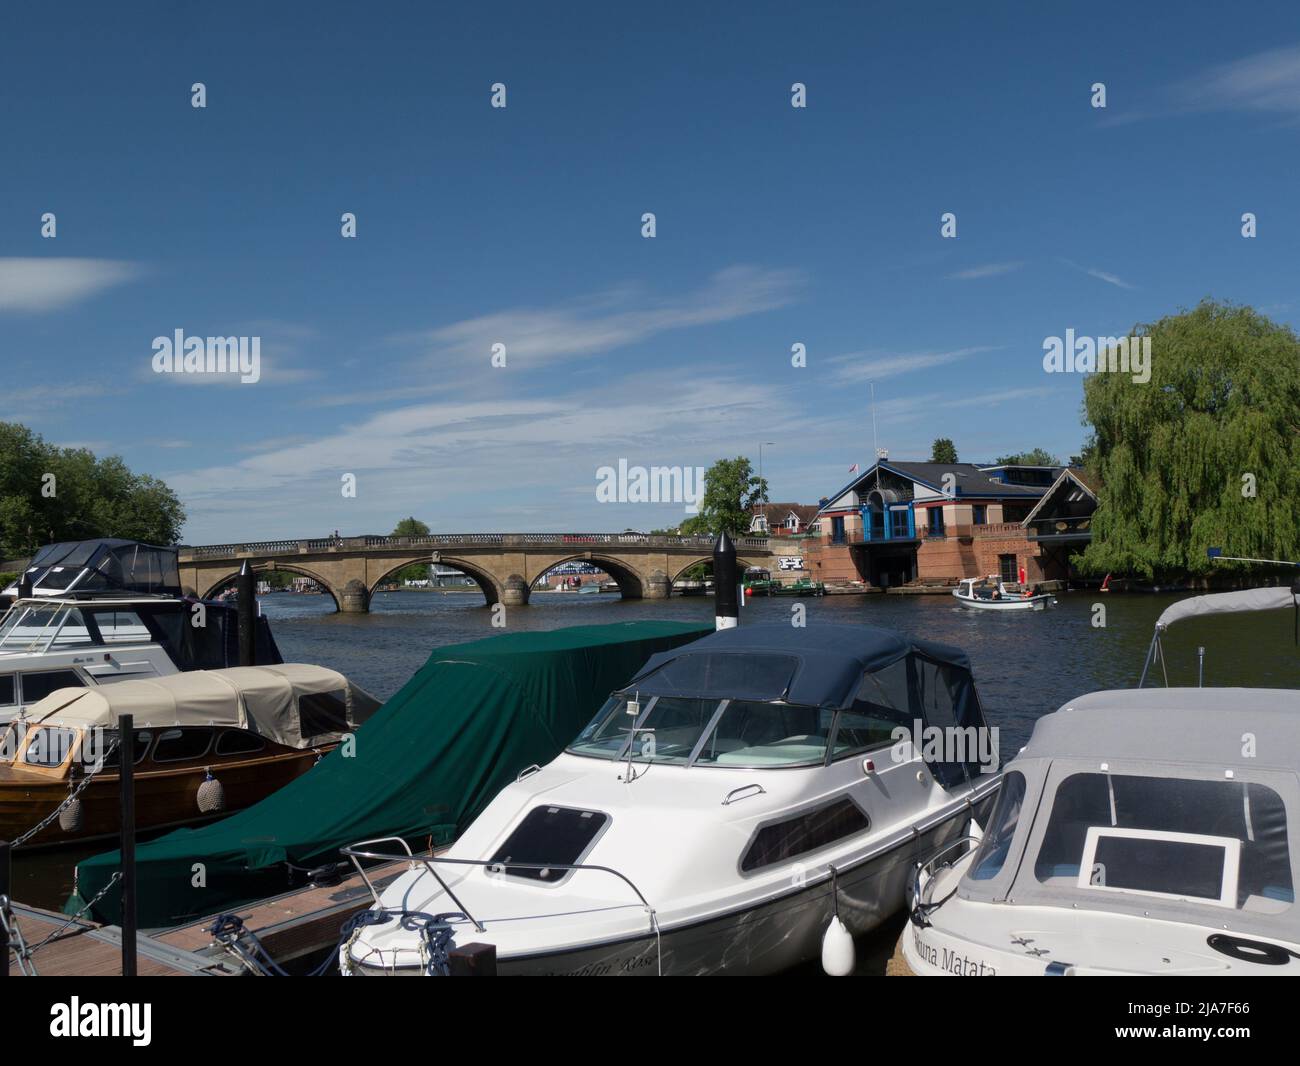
[[922, 905], [355, 853]]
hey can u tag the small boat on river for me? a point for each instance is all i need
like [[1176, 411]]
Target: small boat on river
[[990, 594], [742, 803], [206, 743], [1147, 831]]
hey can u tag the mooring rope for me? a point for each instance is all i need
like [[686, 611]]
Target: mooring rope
[[436, 931]]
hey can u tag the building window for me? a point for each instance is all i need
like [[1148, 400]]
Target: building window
[[936, 521], [898, 524], [837, 529], [1007, 569], [981, 513]]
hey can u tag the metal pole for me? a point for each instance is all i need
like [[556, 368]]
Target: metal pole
[[725, 609], [1200, 667], [246, 612], [126, 778], [5, 912]]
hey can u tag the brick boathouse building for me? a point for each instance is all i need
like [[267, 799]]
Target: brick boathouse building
[[900, 522]]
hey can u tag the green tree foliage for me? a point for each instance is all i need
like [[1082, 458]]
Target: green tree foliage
[[943, 451], [1037, 457], [731, 492], [1180, 456], [85, 497], [411, 527]]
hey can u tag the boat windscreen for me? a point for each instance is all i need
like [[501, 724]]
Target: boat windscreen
[[1198, 840], [681, 730]]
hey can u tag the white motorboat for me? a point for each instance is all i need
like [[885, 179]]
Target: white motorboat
[[990, 594], [1148, 831], [90, 613], [744, 802]]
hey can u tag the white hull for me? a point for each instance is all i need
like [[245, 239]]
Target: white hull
[[1033, 603], [972, 938]]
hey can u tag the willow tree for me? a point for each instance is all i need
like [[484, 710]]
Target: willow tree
[[1207, 452]]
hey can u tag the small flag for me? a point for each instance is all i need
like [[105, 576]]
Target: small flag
[[853, 469]]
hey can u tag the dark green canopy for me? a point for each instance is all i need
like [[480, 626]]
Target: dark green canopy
[[424, 766]]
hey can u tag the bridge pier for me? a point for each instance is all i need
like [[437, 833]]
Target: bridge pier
[[515, 591], [658, 586], [355, 598]]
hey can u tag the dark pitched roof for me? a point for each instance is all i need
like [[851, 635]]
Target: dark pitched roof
[[971, 481], [776, 512]]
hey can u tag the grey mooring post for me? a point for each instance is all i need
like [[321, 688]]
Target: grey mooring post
[[726, 612], [246, 591], [126, 777]]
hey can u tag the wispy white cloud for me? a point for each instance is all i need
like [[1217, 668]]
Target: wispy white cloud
[[439, 460], [35, 285], [1100, 275], [873, 366], [1266, 83], [988, 270], [541, 336]]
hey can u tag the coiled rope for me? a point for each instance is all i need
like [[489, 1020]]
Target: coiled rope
[[436, 932]]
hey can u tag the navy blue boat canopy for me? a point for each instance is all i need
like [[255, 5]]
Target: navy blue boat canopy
[[817, 665]]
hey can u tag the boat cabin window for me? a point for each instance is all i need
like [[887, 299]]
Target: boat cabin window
[[176, 745], [549, 834], [238, 742], [994, 848], [117, 625], [8, 690], [810, 831], [879, 708], [49, 745], [323, 712], [42, 626], [1209, 841], [36, 686], [100, 740]]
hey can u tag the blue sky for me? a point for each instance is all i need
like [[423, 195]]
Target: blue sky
[[522, 226]]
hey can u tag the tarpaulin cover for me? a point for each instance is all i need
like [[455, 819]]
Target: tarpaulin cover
[[424, 766]]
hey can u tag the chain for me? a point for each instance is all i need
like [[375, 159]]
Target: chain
[[25, 953], [63, 806]]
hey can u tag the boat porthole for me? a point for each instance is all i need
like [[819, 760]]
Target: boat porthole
[[1259, 951]]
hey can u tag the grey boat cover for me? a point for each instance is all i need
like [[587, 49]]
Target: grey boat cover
[[106, 564], [1224, 759], [817, 665], [1226, 603]]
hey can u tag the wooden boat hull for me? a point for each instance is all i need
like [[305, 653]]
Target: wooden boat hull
[[163, 797]]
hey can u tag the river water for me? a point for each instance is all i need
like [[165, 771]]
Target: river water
[[1026, 663]]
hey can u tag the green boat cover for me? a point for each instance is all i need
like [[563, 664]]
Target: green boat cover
[[424, 766]]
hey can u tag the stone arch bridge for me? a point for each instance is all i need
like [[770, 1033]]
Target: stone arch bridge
[[505, 565]]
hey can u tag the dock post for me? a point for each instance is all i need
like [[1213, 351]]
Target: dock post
[[5, 912], [725, 609], [473, 960], [126, 777], [246, 613]]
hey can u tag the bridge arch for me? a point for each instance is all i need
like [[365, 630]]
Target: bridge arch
[[287, 568], [741, 564], [483, 578], [631, 583]]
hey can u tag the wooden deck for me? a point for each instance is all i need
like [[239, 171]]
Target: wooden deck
[[295, 926], [85, 949]]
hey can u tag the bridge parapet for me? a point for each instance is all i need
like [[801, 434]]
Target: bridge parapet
[[444, 540]]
